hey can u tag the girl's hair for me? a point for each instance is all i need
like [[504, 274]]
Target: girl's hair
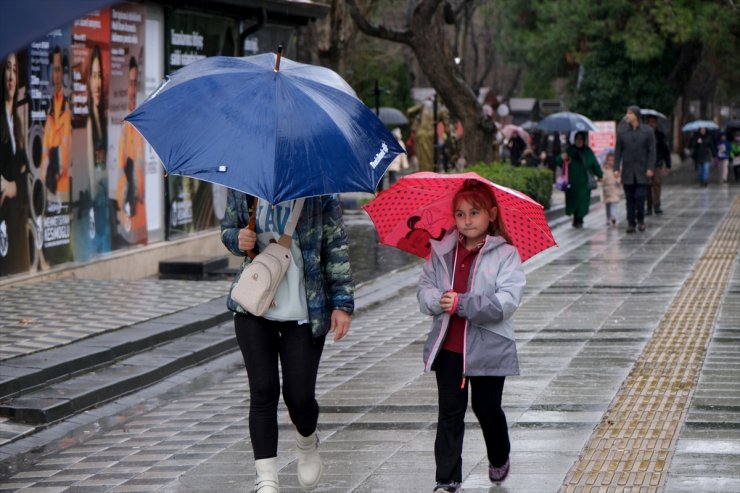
[[480, 196]]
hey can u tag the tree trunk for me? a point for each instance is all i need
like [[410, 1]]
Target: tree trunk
[[425, 36]]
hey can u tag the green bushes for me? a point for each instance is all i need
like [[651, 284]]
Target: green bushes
[[535, 182]]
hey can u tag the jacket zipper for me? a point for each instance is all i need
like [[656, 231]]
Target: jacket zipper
[[467, 322]]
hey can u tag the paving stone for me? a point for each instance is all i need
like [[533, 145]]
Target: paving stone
[[590, 309]]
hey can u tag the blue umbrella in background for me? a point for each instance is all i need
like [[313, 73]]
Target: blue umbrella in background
[[565, 121], [267, 126], [697, 124]]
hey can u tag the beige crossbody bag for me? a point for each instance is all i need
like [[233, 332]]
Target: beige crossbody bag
[[256, 287]]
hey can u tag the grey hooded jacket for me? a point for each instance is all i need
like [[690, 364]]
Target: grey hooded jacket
[[494, 292]]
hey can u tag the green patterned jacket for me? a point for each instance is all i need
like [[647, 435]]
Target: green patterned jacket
[[325, 248]]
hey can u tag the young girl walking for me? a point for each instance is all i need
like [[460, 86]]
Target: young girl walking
[[611, 190], [471, 284]]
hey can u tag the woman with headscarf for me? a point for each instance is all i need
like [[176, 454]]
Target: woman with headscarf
[[581, 162]]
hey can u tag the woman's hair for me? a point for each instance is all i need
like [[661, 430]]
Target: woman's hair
[[480, 196], [100, 133], [96, 55]]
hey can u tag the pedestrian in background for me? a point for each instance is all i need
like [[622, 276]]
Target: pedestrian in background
[[472, 336], [581, 163], [516, 146], [735, 156], [723, 156], [634, 164], [702, 152], [401, 162], [610, 190], [549, 144], [411, 152], [662, 167], [314, 298]]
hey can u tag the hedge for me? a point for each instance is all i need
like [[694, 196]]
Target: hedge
[[535, 182]]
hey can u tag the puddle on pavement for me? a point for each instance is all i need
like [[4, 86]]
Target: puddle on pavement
[[368, 258]]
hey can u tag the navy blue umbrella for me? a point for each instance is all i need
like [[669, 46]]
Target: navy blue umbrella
[[267, 126], [565, 121], [23, 21]]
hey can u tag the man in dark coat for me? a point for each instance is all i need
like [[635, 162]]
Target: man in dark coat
[[634, 161]]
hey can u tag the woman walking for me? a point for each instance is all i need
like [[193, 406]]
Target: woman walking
[[581, 163], [313, 299]]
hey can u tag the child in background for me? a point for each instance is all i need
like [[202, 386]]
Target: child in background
[[472, 336], [611, 190]]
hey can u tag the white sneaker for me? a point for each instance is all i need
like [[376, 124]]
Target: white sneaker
[[267, 476], [310, 467]]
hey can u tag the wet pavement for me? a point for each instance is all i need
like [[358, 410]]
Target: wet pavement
[[592, 311]]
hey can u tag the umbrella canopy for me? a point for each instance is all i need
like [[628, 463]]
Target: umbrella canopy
[[529, 125], [418, 207], [24, 21], [510, 130], [645, 112], [697, 124], [392, 117], [266, 126], [733, 125], [565, 121]]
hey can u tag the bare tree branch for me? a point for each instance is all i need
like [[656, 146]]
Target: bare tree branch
[[375, 30]]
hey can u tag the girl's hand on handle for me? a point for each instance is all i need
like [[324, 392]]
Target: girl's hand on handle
[[447, 301], [340, 321], [247, 239]]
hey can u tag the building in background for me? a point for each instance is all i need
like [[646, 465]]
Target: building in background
[[88, 185]]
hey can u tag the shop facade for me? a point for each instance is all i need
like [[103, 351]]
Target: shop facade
[[77, 184]]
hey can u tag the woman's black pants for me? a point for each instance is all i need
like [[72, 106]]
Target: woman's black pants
[[263, 342], [486, 395]]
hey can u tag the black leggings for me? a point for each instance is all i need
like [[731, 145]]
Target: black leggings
[[453, 402], [262, 341]]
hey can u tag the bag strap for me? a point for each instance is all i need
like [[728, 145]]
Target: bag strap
[[253, 224], [287, 235]]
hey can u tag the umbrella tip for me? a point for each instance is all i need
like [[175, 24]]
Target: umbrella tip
[[277, 60]]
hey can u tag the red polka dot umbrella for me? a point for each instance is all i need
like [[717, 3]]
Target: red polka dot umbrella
[[418, 208]]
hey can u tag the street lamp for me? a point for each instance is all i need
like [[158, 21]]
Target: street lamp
[[376, 91]]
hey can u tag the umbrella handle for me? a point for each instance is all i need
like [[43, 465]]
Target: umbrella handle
[[277, 59], [252, 226]]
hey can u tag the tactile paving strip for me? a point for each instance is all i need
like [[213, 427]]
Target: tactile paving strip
[[631, 448]]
